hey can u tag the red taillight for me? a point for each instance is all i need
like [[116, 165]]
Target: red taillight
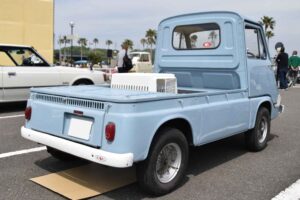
[[110, 131], [28, 113]]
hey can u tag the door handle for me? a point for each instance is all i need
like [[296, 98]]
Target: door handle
[[12, 73]]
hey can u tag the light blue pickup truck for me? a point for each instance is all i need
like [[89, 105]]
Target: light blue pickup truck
[[225, 86]]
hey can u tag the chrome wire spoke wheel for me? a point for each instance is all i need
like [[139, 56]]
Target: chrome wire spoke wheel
[[263, 130], [168, 162]]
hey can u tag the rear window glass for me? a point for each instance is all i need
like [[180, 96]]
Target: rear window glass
[[198, 36]]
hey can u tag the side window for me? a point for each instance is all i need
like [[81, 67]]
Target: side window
[[26, 57], [199, 36], [254, 43], [5, 60]]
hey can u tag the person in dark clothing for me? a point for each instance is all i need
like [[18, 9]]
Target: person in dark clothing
[[282, 61]]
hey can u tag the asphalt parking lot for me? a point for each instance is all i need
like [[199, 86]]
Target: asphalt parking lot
[[221, 170]]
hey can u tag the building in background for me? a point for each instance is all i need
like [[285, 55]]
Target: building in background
[[28, 22]]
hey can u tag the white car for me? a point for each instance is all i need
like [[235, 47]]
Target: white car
[[21, 68]]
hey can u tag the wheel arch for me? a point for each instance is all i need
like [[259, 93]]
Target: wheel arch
[[82, 79], [179, 123], [264, 102]]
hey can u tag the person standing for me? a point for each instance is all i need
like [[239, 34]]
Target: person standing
[[124, 63], [294, 63], [282, 61]]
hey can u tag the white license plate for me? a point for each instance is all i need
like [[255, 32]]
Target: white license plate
[[80, 127]]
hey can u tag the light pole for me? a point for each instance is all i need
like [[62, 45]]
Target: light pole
[[72, 24]]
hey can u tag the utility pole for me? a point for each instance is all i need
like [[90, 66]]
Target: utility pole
[[72, 24]]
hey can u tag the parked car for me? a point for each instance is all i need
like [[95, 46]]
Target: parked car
[[22, 68], [207, 89], [141, 61]]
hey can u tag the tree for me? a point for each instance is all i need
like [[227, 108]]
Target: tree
[[143, 42], [128, 43], [82, 42], [95, 41], [151, 38], [94, 57], [213, 36], [269, 34], [65, 41], [108, 43], [269, 24], [194, 40], [60, 42]]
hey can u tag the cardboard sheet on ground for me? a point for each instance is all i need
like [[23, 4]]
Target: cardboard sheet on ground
[[86, 181]]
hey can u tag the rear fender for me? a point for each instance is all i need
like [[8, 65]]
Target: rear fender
[[163, 123]]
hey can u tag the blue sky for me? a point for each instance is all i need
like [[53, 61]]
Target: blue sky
[[120, 19]]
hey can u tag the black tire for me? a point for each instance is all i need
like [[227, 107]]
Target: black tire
[[170, 139], [257, 138], [60, 155]]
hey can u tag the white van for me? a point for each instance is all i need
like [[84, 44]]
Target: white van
[[141, 61]]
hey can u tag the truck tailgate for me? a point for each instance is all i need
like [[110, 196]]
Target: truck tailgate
[[78, 120]]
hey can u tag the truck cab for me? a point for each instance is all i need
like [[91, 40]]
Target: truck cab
[[216, 50]]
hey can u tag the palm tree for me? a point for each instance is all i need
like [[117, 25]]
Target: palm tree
[[213, 36], [108, 43], [269, 34], [269, 24], [128, 44], [60, 42], [96, 41], [82, 42], [143, 42], [65, 41], [151, 38]]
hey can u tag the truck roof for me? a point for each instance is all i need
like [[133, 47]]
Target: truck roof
[[211, 13]]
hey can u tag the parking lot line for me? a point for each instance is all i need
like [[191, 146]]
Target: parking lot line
[[12, 116], [290, 193], [24, 151]]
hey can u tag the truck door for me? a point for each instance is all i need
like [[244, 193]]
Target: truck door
[[261, 75]]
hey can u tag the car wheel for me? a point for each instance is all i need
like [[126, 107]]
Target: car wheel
[[256, 138], [60, 155], [165, 166]]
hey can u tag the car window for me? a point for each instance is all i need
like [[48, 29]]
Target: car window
[[199, 36], [254, 43], [5, 60], [26, 57]]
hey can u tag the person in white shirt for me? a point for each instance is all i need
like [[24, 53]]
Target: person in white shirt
[[120, 56], [120, 59]]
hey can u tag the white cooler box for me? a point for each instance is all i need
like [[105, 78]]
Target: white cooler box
[[151, 82]]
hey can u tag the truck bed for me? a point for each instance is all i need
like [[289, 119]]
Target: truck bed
[[105, 93]]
